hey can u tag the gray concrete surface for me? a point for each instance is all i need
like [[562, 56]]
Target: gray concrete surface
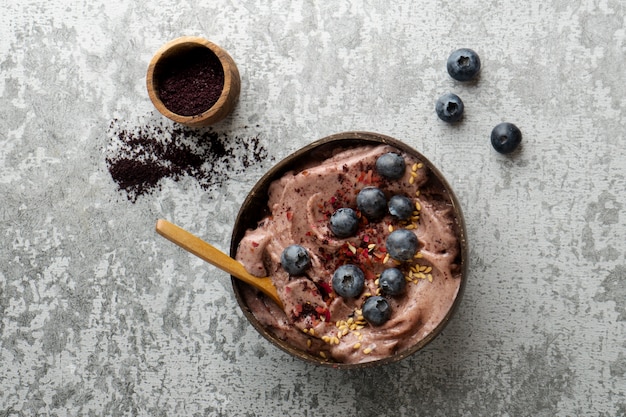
[[100, 316]]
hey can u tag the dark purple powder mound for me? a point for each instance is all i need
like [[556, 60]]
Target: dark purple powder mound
[[190, 83]]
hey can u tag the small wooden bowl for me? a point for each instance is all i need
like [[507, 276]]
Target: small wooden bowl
[[178, 48], [254, 208]]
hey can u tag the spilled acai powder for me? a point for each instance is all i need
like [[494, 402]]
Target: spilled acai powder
[[139, 157]]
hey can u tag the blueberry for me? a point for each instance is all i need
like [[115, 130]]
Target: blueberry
[[391, 165], [376, 310], [392, 281], [505, 137], [463, 64], [402, 244], [348, 281], [344, 223], [295, 259], [401, 207], [372, 203], [449, 108]]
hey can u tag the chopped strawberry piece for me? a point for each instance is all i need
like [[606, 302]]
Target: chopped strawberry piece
[[323, 312], [368, 177], [326, 287], [369, 274]]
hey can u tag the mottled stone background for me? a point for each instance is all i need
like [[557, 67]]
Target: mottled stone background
[[100, 316]]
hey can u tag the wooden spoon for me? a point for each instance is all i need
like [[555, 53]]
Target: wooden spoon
[[215, 257]]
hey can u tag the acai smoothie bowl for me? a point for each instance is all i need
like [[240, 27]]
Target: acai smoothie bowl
[[366, 245]]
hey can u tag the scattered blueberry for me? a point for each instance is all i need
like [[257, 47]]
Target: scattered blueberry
[[463, 64], [348, 281], [295, 259], [392, 281], [391, 165], [505, 137], [376, 310], [372, 203], [401, 207], [344, 223], [449, 108], [402, 245]]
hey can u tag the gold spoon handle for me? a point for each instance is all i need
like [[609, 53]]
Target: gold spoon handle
[[215, 257]]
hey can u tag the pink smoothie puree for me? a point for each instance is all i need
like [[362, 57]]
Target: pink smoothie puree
[[315, 318]]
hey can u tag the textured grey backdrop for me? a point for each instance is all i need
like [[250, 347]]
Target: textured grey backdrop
[[100, 316]]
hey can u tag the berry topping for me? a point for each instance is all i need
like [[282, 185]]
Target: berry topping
[[449, 108], [391, 165], [372, 203], [463, 64], [392, 281], [402, 245], [295, 259], [376, 310], [505, 137], [401, 207], [348, 281], [344, 223]]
